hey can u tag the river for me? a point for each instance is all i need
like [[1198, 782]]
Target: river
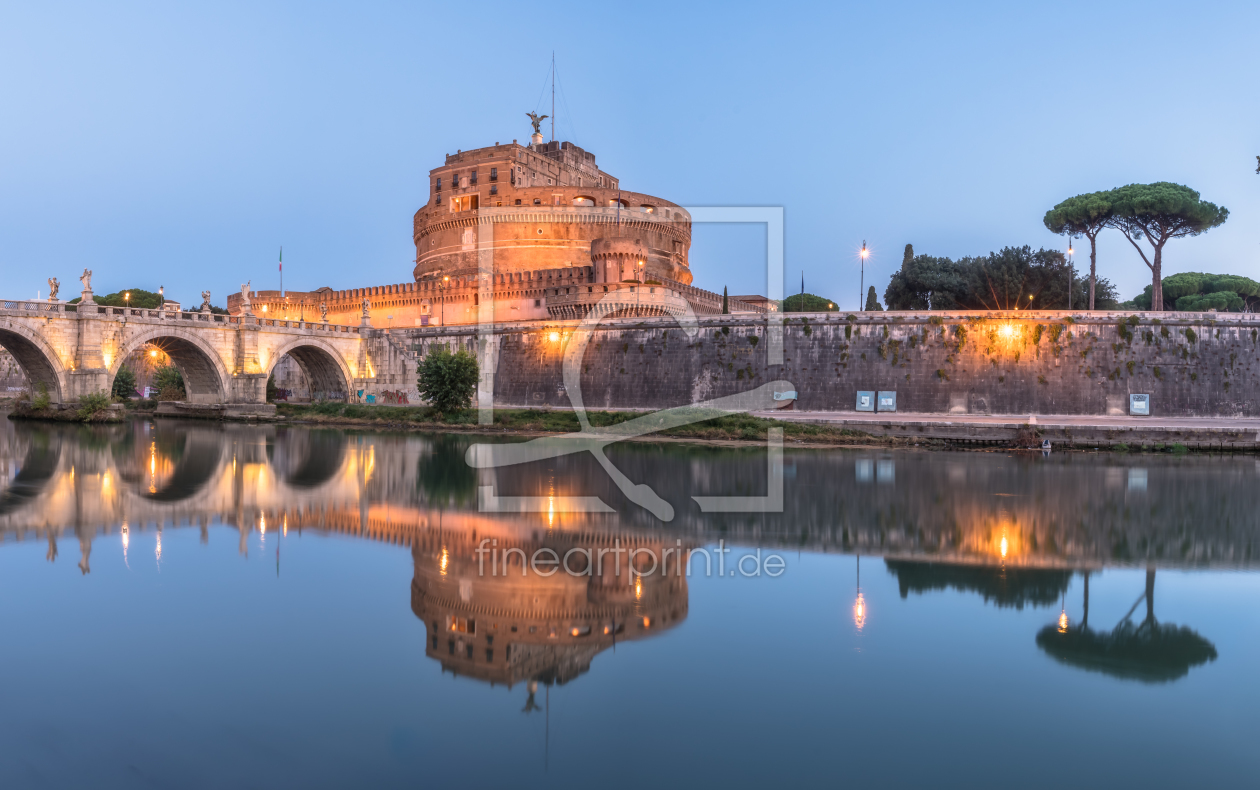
[[199, 605]]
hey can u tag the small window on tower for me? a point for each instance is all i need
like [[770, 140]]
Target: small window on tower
[[494, 189], [439, 185], [472, 177], [494, 174]]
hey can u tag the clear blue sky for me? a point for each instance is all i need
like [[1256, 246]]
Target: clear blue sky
[[170, 145]]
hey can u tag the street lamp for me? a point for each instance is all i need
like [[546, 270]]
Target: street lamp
[[639, 295], [862, 281], [1071, 273], [446, 283]]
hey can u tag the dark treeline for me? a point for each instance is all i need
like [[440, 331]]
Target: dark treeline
[[1016, 278]]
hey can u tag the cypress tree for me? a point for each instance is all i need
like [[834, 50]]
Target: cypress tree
[[726, 305]]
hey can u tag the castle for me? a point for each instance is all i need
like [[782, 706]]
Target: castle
[[524, 233]]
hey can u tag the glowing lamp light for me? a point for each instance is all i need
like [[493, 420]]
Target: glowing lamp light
[[1004, 547], [1063, 622], [859, 612], [444, 561], [638, 588], [647, 622], [153, 354], [1007, 331], [575, 632], [554, 337]]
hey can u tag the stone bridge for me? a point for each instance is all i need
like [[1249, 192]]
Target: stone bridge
[[74, 350]]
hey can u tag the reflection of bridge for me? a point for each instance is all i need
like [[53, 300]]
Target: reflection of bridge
[[74, 350]]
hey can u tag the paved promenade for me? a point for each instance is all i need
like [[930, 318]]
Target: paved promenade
[[1233, 433]]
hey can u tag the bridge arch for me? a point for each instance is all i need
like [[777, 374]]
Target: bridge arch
[[326, 371], [39, 362], [206, 379]]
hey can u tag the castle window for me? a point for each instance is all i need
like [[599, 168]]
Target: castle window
[[494, 174], [464, 203], [555, 199], [537, 201], [494, 189], [472, 177], [439, 185], [583, 200], [518, 201], [537, 303]]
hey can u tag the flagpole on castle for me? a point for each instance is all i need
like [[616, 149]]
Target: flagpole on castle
[[282, 271]]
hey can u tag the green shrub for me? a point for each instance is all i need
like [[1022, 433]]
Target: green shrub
[[753, 340], [124, 383], [41, 401], [1179, 449], [448, 381], [1190, 335], [93, 404], [169, 383]]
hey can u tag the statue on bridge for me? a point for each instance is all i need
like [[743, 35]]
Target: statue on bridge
[[86, 279], [323, 311], [54, 287], [246, 305], [205, 301], [367, 306]]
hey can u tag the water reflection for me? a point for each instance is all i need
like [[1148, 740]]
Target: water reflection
[[1013, 531], [504, 625], [1151, 652]]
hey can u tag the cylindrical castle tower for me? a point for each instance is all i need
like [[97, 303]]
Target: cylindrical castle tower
[[540, 208], [618, 259]]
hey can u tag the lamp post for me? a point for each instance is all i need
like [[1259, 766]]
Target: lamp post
[[1071, 273], [446, 283], [639, 295], [862, 281]]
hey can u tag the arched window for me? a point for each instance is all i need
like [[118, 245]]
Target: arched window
[[583, 200]]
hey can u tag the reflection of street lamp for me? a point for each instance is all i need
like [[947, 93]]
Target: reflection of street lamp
[[862, 281], [859, 605]]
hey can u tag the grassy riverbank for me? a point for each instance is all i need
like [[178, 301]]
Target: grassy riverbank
[[721, 427]]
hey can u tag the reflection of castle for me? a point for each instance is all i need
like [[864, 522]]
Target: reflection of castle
[[501, 626]]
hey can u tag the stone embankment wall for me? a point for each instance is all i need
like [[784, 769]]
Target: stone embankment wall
[[1019, 363]]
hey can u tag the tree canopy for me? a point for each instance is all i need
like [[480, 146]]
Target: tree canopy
[[1084, 215], [808, 303], [140, 298], [1160, 212], [1197, 292], [998, 281], [1080, 215]]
